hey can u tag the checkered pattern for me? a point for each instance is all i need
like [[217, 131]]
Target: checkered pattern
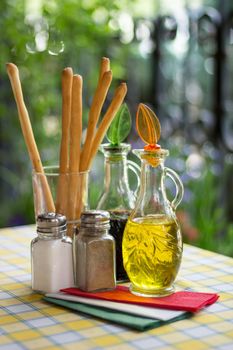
[[27, 322]]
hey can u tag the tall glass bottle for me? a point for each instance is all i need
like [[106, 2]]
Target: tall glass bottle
[[117, 198], [152, 241]]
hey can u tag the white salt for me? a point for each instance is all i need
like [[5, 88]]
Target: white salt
[[52, 264]]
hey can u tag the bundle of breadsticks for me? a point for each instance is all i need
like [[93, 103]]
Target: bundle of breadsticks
[[75, 158]]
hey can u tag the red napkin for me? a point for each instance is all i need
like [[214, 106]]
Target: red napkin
[[185, 301]]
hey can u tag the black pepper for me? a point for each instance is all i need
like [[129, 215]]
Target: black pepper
[[95, 253]]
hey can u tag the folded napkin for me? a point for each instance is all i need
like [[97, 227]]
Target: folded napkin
[[184, 300], [132, 321], [145, 311]]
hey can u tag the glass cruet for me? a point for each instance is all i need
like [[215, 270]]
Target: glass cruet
[[152, 241], [117, 197]]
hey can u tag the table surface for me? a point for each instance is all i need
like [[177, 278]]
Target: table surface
[[26, 322]]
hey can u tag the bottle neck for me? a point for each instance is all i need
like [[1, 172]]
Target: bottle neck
[[152, 198], [115, 171], [151, 178], [116, 195]]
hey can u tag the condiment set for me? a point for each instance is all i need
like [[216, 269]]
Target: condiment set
[[132, 236]]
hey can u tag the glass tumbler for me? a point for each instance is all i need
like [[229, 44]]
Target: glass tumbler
[[69, 193]]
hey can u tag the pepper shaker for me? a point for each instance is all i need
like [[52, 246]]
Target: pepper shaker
[[51, 255], [95, 253]]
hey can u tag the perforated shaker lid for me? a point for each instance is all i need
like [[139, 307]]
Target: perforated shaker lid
[[51, 223], [95, 218]]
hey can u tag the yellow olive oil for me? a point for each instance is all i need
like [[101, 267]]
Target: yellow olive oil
[[152, 252]]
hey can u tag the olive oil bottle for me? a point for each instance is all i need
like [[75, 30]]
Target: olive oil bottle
[[152, 241]]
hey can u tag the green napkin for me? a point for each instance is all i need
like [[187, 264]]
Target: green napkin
[[132, 321]]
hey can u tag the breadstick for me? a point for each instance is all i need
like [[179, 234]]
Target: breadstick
[[97, 104], [106, 121], [104, 67], [67, 77], [26, 127], [81, 195], [75, 144]]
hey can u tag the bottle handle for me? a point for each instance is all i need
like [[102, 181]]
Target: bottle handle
[[178, 184], [135, 168]]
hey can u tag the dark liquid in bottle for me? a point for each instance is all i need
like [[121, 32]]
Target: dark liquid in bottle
[[117, 225]]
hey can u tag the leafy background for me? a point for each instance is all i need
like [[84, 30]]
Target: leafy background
[[43, 37]]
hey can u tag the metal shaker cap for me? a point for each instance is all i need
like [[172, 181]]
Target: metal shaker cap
[[51, 223], [95, 219]]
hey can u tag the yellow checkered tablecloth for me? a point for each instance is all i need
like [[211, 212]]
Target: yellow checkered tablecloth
[[26, 322]]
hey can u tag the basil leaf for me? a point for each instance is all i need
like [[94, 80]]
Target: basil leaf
[[120, 126]]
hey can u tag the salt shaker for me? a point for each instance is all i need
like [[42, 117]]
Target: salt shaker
[[95, 253], [51, 255]]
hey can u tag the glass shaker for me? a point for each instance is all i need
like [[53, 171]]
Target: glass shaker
[[95, 253], [152, 241], [117, 197], [51, 255]]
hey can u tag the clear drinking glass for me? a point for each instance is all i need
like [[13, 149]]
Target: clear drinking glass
[[69, 194]]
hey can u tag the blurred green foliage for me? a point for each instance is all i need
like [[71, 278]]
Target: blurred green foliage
[[202, 213], [41, 42]]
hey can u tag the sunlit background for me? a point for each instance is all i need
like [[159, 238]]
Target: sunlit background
[[176, 56]]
